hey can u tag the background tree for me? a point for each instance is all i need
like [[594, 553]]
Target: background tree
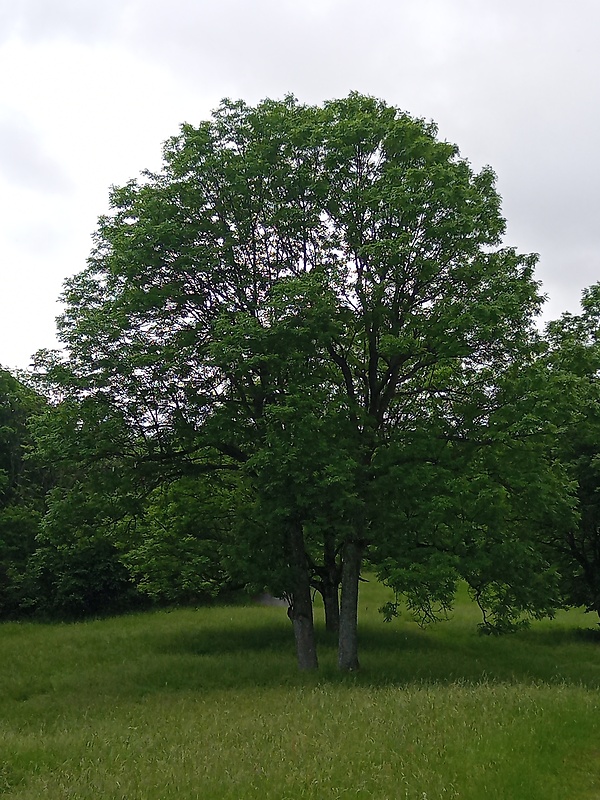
[[478, 502], [123, 524], [22, 488], [574, 360], [75, 569], [178, 548]]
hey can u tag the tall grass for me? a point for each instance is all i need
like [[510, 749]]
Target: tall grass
[[208, 704]]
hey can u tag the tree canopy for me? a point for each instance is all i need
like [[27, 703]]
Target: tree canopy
[[316, 300]]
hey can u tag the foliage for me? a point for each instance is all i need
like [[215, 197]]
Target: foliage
[[477, 508], [574, 359], [313, 298], [22, 487], [117, 530], [176, 549], [75, 569]]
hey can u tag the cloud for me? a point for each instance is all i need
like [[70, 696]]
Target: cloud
[[25, 162], [92, 87], [87, 21]]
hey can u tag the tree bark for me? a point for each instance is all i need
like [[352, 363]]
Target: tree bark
[[301, 609], [331, 604], [326, 581], [348, 636]]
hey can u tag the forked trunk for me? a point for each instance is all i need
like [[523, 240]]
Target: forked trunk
[[348, 637], [301, 609], [330, 585]]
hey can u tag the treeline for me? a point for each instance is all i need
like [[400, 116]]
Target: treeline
[[82, 534], [300, 350]]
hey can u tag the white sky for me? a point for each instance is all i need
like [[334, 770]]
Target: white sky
[[89, 90]]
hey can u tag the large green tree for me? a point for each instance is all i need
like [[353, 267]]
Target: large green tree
[[299, 294]]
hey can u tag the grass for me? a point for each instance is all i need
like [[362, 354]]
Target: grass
[[208, 704]]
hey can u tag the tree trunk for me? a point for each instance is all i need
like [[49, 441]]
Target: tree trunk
[[329, 585], [301, 609], [348, 638], [331, 604]]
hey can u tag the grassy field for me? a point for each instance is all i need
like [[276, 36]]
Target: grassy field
[[208, 704]]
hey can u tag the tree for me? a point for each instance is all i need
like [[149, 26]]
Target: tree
[[120, 524], [478, 503], [176, 547], [74, 569], [22, 487], [574, 359], [296, 295]]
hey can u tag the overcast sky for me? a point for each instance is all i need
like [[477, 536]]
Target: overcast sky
[[91, 88]]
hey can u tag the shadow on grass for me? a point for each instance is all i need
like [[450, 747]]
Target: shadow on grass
[[551, 637], [235, 639], [262, 653]]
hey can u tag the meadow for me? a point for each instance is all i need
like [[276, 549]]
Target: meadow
[[207, 703]]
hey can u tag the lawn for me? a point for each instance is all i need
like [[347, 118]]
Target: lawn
[[207, 703]]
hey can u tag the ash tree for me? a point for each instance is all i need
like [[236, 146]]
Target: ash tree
[[311, 297]]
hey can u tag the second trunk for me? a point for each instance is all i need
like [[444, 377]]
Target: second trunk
[[348, 637]]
